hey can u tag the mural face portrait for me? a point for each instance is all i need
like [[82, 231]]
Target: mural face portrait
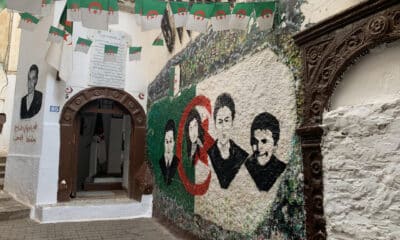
[[168, 161], [223, 124], [32, 101], [264, 147], [169, 142], [32, 80], [193, 130]]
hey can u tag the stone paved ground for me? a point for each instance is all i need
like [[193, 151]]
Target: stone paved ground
[[137, 229]]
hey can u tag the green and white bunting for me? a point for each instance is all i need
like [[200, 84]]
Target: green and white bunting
[[113, 12], [110, 53], [46, 7], [94, 14], [221, 16], [138, 11], [73, 10], [56, 35], [83, 45], [264, 14], [158, 42], [199, 17], [28, 21], [241, 16], [152, 15], [2, 4], [180, 11], [31, 6], [135, 53]]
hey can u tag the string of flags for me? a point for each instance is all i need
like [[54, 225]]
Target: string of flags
[[99, 14]]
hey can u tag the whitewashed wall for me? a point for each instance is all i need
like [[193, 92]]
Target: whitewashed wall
[[32, 169], [361, 150], [362, 172]]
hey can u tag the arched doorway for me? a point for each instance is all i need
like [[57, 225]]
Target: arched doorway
[[121, 102]]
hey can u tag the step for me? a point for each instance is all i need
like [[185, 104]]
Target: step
[[4, 197], [2, 174], [11, 209], [3, 159], [1, 184], [2, 167]]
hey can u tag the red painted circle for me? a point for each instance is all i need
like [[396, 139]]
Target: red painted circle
[[193, 188]]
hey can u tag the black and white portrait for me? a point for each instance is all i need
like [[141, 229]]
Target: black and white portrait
[[225, 155], [263, 166], [194, 135], [169, 162], [31, 102]]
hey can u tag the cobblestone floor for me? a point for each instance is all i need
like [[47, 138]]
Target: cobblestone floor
[[136, 229]]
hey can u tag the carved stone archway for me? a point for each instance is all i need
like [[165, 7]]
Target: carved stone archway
[[140, 180], [328, 49]]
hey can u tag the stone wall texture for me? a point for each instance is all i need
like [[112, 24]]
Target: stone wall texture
[[361, 150]]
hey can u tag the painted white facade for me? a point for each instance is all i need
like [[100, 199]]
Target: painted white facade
[[32, 167], [315, 11], [361, 149]]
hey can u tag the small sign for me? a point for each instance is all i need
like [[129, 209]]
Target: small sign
[[54, 108]]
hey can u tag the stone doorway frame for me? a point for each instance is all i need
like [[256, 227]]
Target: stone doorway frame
[[327, 50], [139, 180]]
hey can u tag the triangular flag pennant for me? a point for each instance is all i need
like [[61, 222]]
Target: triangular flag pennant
[[241, 16], [138, 11], [221, 16], [56, 35], [28, 21], [110, 53], [199, 16], [60, 55], [180, 11], [73, 10], [158, 42], [113, 12], [135, 53], [30, 6], [264, 14], [94, 14], [46, 7], [2, 4], [83, 45], [152, 15]]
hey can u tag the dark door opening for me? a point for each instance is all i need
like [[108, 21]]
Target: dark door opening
[[103, 148]]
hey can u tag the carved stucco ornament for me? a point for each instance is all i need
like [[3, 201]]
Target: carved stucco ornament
[[328, 49]]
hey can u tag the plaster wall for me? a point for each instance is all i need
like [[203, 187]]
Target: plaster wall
[[315, 11], [373, 79], [361, 150], [40, 160]]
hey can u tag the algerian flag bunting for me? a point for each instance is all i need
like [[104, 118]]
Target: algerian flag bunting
[[135, 53], [83, 45], [94, 14], [264, 14], [113, 12], [46, 7], [152, 15], [221, 16], [241, 16], [28, 21], [110, 53], [138, 11], [158, 41], [31, 6], [199, 16], [55, 35], [73, 10], [180, 11]]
